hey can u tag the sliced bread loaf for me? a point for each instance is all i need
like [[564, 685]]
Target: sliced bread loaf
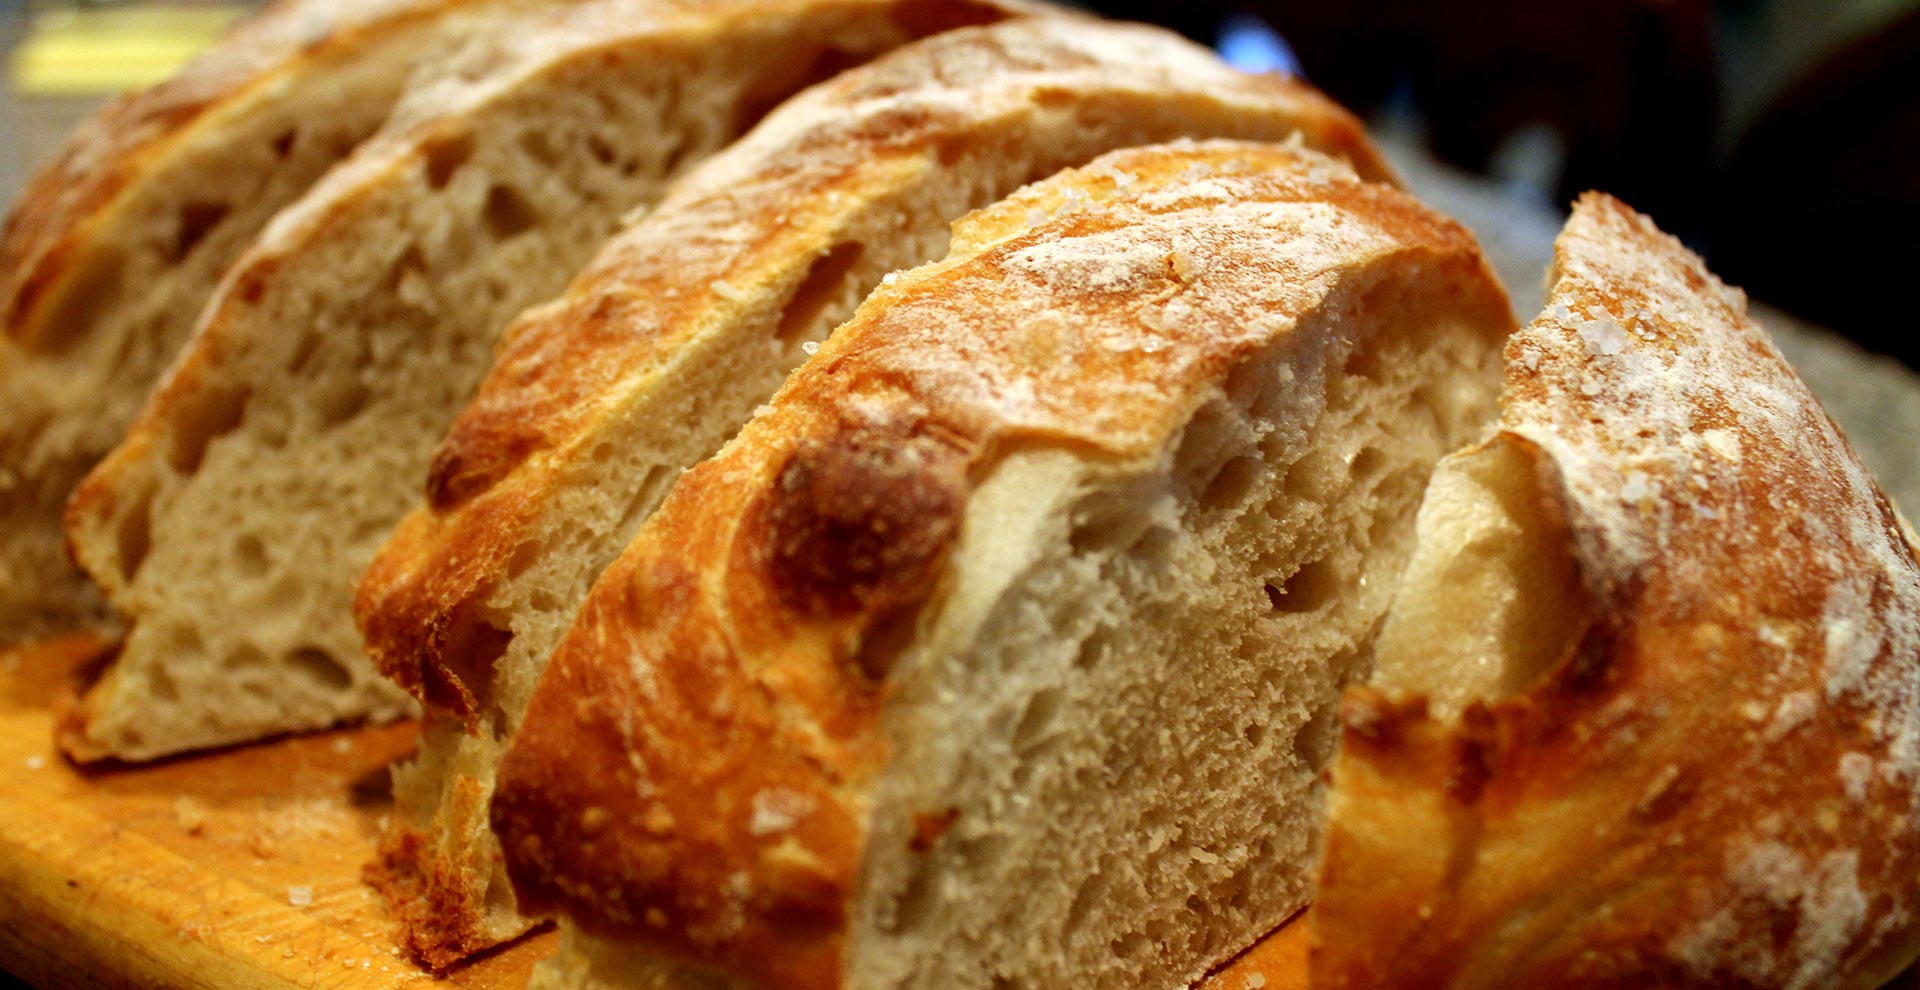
[[114, 247], [684, 324], [1647, 709], [1002, 649], [229, 527]]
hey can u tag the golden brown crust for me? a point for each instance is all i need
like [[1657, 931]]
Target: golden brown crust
[[708, 665], [45, 236], [1718, 787], [649, 294]]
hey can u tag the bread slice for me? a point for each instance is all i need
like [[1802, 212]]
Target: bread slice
[[230, 525], [1647, 710], [1002, 649], [685, 323], [114, 247]]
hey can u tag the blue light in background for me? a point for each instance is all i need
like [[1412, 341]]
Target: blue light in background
[[1251, 45]]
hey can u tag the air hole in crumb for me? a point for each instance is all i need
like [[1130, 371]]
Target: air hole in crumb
[[524, 557], [601, 150], [245, 657], [1367, 362], [917, 899], [822, 284], [1092, 891], [250, 556], [1107, 525], [283, 142], [1202, 444], [1130, 945], [1316, 475], [341, 400], [93, 286], [204, 417], [539, 147], [1095, 648], [320, 667], [508, 213], [1231, 484], [1305, 590], [1036, 719], [978, 855], [196, 221], [1255, 733], [1367, 465], [445, 155], [133, 539], [1313, 743], [161, 685]]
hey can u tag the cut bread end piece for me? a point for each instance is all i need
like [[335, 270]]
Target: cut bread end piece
[[684, 325], [230, 525], [114, 247], [1002, 649], [1647, 708]]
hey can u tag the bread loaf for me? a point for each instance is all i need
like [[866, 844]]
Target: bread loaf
[[1003, 648], [229, 527], [113, 247], [1647, 709], [684, 324]]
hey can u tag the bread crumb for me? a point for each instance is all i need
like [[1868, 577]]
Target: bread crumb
[[190, 815], [1257, 980], [726, 290], [300, 896]]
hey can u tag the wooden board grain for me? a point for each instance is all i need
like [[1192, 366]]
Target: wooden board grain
[[238, 869]]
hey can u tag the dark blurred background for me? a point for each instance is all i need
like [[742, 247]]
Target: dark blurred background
[[1779, 137]]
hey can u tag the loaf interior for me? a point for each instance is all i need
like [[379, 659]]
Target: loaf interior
[[676, 410], [140, 276], [232, 539], [1486, 533], [1109, 732]]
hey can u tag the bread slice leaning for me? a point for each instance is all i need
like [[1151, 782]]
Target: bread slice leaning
[[115, 245], [230, 525], [1647, 709], [684, 324], [1003, 648]]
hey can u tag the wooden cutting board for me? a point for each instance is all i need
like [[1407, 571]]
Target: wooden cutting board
[[239, 870]]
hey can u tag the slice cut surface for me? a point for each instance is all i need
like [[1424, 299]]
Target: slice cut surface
[[115, 246], [229, 527], [1002, 648], [686, 323]]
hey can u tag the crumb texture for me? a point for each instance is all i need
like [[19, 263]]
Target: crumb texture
[[686, 322], [1188, 396], [229, 527]]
